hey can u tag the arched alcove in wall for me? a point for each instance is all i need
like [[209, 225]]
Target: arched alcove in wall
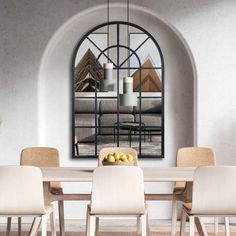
[[55, 79]]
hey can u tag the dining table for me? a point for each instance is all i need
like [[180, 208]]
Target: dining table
[[151, 174]]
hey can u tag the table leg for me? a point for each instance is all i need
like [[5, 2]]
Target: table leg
[[46, 190]]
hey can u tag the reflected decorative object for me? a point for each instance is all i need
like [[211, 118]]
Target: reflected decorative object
[[150, 79], [108, 84], [128, 98], [84, 75]]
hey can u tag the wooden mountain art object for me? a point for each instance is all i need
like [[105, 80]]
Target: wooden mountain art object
[[87, 72], [150, 80]]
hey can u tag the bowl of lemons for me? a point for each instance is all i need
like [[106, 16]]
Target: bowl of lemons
[[118, 158]]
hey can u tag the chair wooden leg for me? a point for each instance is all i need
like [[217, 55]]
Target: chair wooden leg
[[144, 225], [174, 218], [53, 224], [227, 231], [191, 226], [97, 225], [183, 223], [19, 225], [8, 226], [200, 226], [44, 225], [92, 220], [61, 218], [87, 222], [147, 224], [138, 224], [35, 226], [216, 225]]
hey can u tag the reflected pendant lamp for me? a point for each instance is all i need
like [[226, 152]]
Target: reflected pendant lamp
[[128, 98], [108, 83]]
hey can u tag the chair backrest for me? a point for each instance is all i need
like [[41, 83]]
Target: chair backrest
[[194, 157], [41, 157], [105, 151], [118, 190], [21, 191], [214, 190]]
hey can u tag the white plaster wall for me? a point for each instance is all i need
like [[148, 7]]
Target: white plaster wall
[[55, 73], [26, 28]]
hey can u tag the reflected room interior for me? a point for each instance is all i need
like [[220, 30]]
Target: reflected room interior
[[100, 116]]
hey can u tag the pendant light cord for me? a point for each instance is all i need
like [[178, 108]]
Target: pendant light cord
[[108, 32], [128, 32]]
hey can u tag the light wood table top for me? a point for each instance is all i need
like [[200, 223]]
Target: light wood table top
[[151, 174]]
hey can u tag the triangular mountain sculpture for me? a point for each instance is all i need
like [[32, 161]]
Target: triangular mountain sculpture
[[87, 71], [150, 80]]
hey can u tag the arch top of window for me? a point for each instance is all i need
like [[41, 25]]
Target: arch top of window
[[120, 36]]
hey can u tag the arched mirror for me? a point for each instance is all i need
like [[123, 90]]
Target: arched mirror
[[118, 91]]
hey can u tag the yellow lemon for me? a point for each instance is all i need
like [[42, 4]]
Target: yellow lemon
[[117, 156], [130, 157], [111, 158], [123, 157]]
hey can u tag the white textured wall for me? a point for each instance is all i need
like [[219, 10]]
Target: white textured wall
[[54, 111], [25, 30]]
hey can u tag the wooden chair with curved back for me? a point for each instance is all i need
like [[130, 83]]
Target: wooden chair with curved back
[[191, 157], [44, 157], [127, 150], [110, 198], [213, 195], [24, 185]]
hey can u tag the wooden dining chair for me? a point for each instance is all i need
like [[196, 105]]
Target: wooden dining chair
[[105, 151], [112, 197], [22, 195], [214, 194], [191, 157], [44, 157]]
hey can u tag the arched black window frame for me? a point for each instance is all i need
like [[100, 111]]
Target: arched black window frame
[[117, 67]]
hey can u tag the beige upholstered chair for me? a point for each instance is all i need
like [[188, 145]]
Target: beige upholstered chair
[[44, 157], [190, 157], [105, 151], [214, 194], [117, 191], [22, 195]]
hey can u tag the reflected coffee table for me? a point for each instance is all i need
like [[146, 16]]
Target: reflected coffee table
[[131, 127]]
